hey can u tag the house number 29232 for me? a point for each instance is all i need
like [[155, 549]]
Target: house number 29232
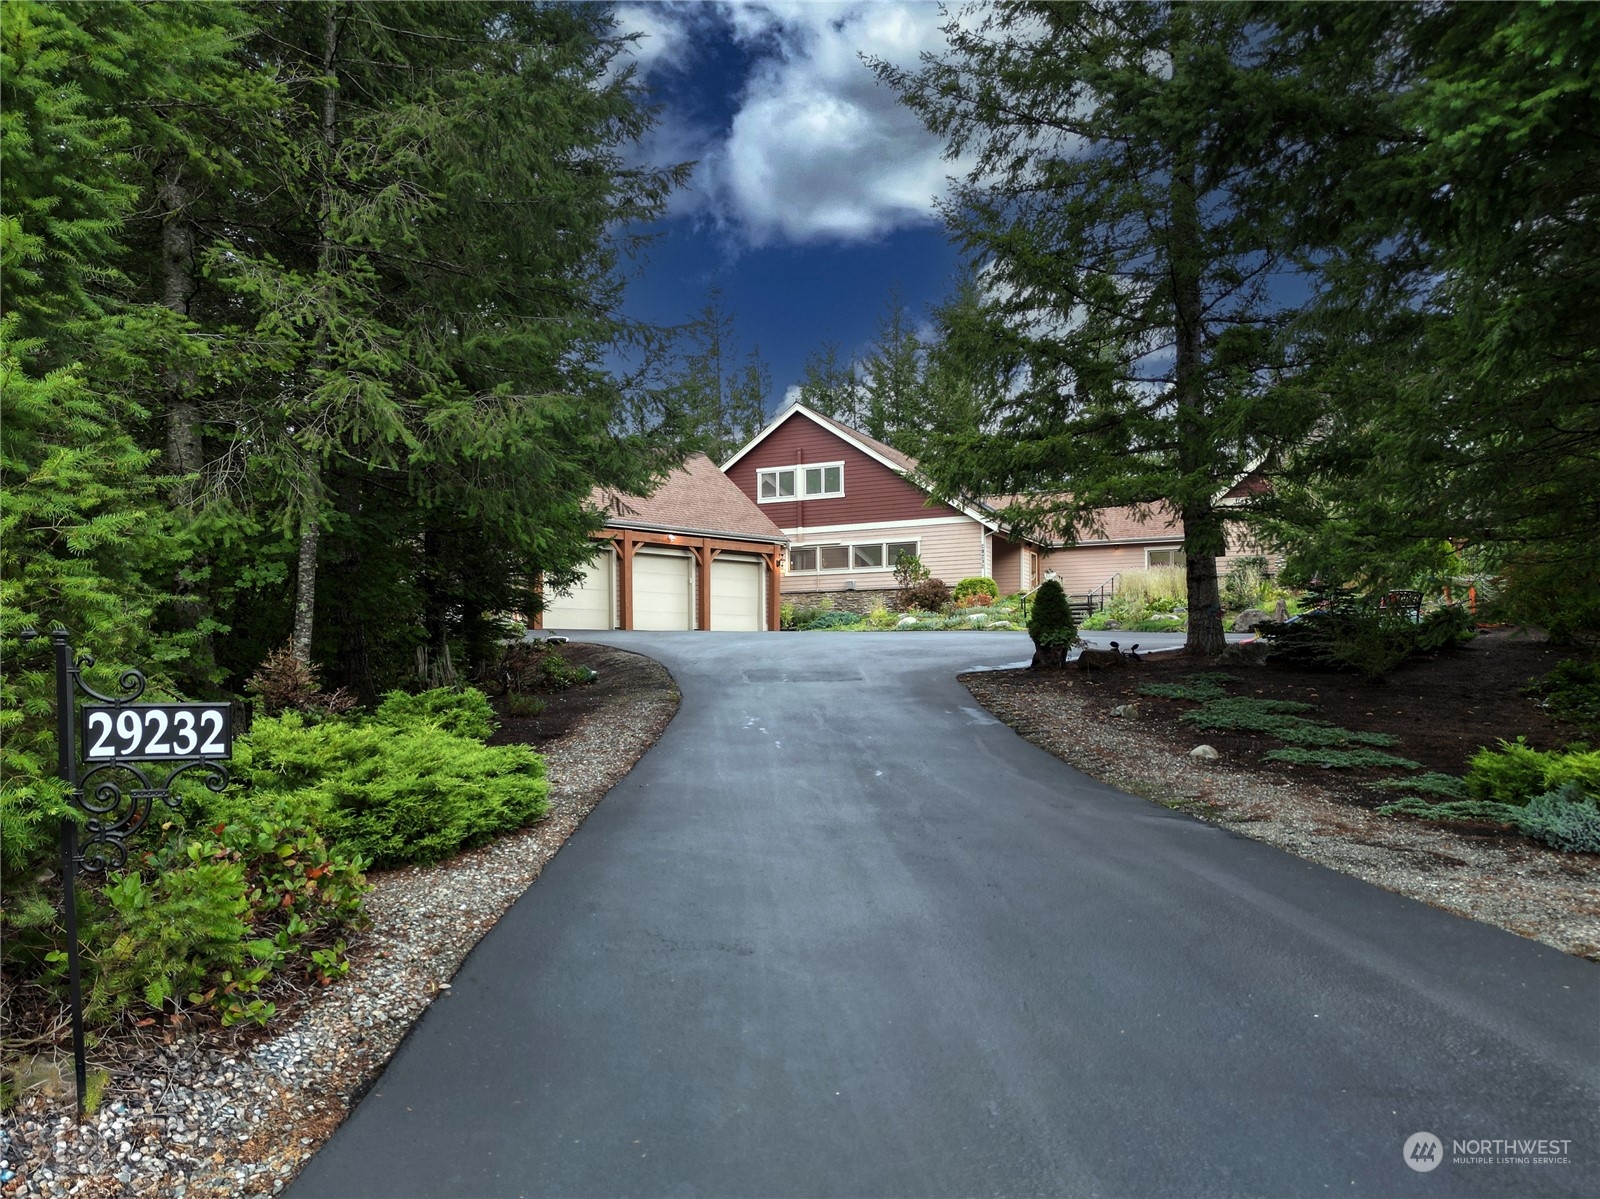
[[150, 732]]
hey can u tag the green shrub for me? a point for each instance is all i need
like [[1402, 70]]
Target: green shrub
[[880, 618], [801, 616], [1516, 772], [1050, 622], [1448, 786], [1571, 692], [525, 707], [1207, 685], [1341, 759], [1246, 584], [1342, 631], [975, 586], [463, 712], [1274, 717], [392, 795], [1563, 818], [557, 674], [166, 936], [786, 614], [1445, 628], [830, 620], [909, 570]]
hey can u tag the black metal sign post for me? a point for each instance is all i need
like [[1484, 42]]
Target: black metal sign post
[[113, 793]]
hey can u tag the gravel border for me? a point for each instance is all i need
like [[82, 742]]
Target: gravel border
[[1511, 882], [213, 1113]]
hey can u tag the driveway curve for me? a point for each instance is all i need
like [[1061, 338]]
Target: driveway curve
[[841, 933]]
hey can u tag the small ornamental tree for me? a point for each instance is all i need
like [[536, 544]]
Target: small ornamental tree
[[1051, 626]]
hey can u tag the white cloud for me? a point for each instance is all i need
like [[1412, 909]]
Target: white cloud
[[817, 150]]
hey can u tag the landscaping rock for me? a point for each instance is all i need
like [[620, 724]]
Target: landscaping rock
[[1203, 753], [1249, 619]]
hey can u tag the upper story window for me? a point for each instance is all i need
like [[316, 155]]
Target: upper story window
[[779, 484]]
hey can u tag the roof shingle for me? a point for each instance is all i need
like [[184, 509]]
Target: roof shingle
[[695, 498]]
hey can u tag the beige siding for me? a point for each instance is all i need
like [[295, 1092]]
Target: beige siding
[[951, 552], [1085, 567]]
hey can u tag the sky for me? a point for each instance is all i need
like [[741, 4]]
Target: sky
[[814, 191]]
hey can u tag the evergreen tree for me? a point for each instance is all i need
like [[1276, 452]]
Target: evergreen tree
[[830, 386], [724, 400], [1453, 199], [1118, 207], [891, 376]]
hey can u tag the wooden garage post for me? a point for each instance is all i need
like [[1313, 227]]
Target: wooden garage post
[[625, 576], [774, 599], [705, 555]]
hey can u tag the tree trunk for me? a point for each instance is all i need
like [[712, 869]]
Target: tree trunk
[[1196, 453], [184, 457], [305, 601]]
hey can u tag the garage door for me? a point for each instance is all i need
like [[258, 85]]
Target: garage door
[[662, 586], [591, 604], [736, 594]]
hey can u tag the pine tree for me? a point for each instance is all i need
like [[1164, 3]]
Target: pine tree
[[831, 386], [1117, 208]]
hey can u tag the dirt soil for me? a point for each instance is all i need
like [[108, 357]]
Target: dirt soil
[[621, 676], [1443, 709]]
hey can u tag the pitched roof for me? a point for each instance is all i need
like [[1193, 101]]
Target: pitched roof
[[696, 498], [904, 461]]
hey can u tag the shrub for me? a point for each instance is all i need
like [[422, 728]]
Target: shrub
[[1445, 628], [830, 620], [928, 595], [525, 707], [1516, 772], [1275, 718], [1342, 631], [909, 570], [1571, 692], [557, 674], [1447, 786], [976, 586], [286, 684], [786, 614], [1050, 623], [1563, 818], [801, 615], [1207, 685], [1246, 584], [464, 712], [880, 618], [393, 795], [1341, 759]]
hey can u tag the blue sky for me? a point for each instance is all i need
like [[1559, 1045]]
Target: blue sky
[[815, 189]]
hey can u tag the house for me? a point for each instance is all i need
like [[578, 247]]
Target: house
[[694, 554], [850, 505]]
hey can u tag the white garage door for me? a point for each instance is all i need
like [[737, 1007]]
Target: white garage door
[[662, 586], [736, 594], [591, 604]]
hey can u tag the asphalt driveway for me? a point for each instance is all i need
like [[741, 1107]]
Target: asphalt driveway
[[841, 933]]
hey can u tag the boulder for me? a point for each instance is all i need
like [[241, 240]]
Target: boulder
[[1249, 619], [1204, 753]]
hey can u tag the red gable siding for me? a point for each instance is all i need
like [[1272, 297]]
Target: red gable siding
[[872, 492]]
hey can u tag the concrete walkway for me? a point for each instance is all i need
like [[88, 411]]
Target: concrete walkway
[[841, 933]]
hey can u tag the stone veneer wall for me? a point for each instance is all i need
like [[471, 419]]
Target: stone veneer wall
[[859, 602]]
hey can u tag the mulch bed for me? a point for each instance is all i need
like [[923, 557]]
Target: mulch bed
[[620, 674], [1443, 709]]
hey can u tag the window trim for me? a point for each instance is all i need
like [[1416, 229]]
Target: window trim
[[778, 471], [1175, 550], [801, 484], [850, 553]]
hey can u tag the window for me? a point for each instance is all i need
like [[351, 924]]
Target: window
[[825, 480], [780, 484], [866, 555], [1172, 557], [773, 485]]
